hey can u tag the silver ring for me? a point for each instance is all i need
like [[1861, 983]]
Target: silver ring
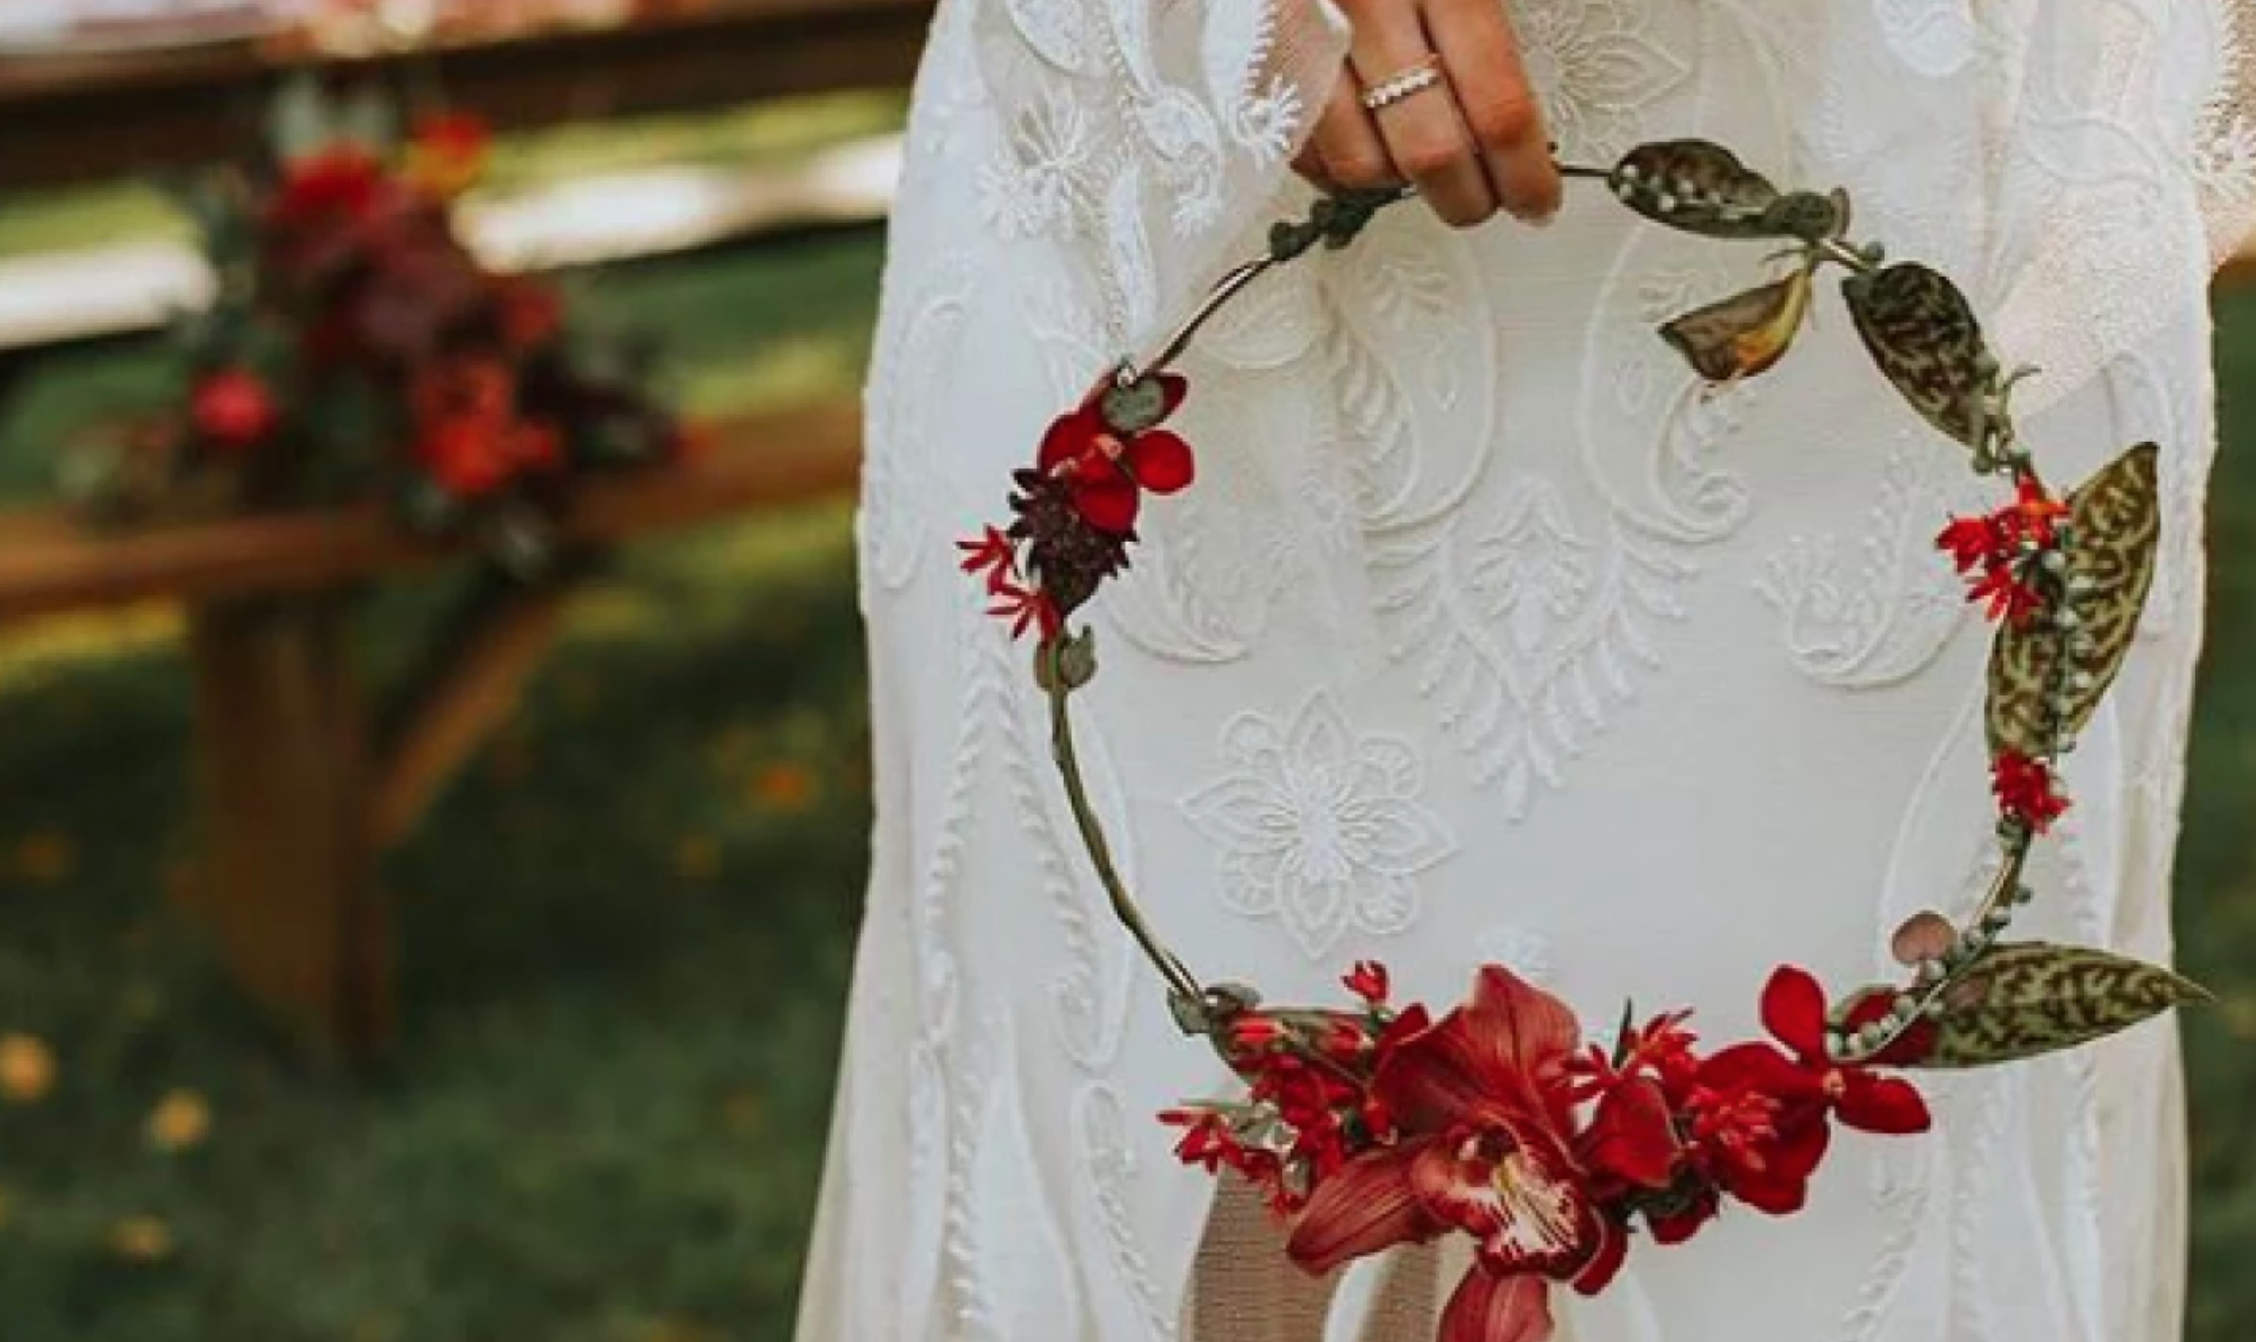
[[1395, 87]]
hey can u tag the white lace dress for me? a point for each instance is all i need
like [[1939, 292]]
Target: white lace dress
[[1486, 636]]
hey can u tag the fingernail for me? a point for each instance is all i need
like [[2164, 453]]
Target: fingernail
[[1539, 216]]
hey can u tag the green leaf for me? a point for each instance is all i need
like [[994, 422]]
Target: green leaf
[[1922, 333], [2024, 1001], [2115, 522]]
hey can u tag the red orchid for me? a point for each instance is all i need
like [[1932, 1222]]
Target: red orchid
[[1487, 1147], [233, 410], [2026, 790], [1770, 1109], [1108, 469]]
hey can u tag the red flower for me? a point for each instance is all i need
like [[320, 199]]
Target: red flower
[[448, 153], [2026, 790], [473, 440], [1368, 980], [2000, 546], [2035, 512], [994, 554], [1486, 1148], [2010, 597], [1108, 470], [531, 314], [1661, 1050], [1768, 1111], [341, 183], [233, 410], [1025, 608]]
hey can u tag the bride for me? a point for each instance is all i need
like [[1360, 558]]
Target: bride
[[1490, 636]]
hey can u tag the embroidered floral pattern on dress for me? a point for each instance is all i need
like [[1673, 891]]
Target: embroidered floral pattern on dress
[[1936, 38], [1318, 827], [1598, 67], [1032, 185], [1457, 656], [1879, 613]]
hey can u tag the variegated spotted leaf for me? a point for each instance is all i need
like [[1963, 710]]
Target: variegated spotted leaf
[[1703, 188], [1924, 336], [1695, 186], [1809, 215], [2116, 531], [1746, 334], [2024, 1001]]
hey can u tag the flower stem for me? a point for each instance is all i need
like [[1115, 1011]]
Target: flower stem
[[1226, 289], [1181, 983]]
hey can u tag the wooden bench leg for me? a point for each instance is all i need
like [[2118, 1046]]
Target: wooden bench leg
[[287, 882]]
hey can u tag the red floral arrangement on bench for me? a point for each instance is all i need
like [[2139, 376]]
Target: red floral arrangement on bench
[[355, 347]]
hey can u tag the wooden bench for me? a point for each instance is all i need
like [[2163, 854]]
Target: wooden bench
[[97, 117], [307, 775]]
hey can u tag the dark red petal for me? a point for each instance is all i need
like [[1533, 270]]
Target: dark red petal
[[1886, 1105], [1486, 1054], [1173, 388], [1364, 1208], [1606, 1264], [1760, 1069], [1160, 461], [1631, 1138], [1771, 1193], [1486, 1308], [1070, 437], [1685, 1224], [1802, 1142], [1108, 501], [1455, 1192], [1793, 1008]]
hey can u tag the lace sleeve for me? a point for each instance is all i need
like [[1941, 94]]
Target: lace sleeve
[[1146, 136], [2226, 151]]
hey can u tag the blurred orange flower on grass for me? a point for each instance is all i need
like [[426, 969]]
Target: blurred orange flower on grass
[[181, 1121], [46, 857], [784, 788], [141, 1239], [27, 1068]]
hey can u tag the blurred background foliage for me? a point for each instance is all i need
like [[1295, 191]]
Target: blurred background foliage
[[625, 934]]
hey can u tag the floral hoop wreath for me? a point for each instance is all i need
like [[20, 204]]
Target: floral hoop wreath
[[1378, 1125]]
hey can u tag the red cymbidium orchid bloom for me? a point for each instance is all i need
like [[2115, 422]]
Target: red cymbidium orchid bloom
[[1485, 1109], [1109, 470], [1772, 1108]]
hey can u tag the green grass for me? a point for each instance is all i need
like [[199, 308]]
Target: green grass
[[2217, 868], [605, 1123], [625, 935]]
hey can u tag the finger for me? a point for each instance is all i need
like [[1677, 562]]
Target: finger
[[1499, 105], [1309, 165], [1349, 143], [1423, 133]]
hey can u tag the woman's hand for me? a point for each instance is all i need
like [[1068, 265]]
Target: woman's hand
[[1472, 142]]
